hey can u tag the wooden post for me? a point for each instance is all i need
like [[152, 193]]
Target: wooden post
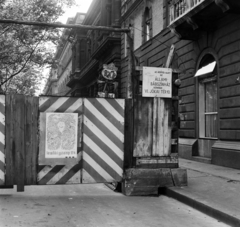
[[129, 109], [19, 141], [130, 80]]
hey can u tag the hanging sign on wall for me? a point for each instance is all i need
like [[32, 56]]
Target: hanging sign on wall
[[157, 82]]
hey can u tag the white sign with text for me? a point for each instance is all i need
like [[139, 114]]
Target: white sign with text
[[157, 82]]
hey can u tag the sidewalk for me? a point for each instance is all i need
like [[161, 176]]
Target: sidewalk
[[212, 189]]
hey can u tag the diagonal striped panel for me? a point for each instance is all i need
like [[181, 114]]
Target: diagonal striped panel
[[59, 174], [2, 139], [69, 172], [103, 140], [60, 104]]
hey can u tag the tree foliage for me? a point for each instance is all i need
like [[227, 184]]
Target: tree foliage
[[23, 49], [27, 82]]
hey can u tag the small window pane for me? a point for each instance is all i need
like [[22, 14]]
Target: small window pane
[[211, 97], [147, 32], [211, 125]]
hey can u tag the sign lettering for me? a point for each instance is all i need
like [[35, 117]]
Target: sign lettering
[[157, 82]]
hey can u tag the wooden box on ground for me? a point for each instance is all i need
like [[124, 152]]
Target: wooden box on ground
[[138, 182], [170, 161]]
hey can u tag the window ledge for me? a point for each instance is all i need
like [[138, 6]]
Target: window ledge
[[208, 138], [231, 145]]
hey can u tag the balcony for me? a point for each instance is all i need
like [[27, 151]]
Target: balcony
[[187, 18], [180, 8]]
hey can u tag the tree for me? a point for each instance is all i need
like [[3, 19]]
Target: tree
[[23, 49], [27, 82]]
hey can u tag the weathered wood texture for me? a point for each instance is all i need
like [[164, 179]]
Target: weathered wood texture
[[155, 123], [162, 117], [175, 117], [152, 127], [158, 162], [31, 138], [148, 181], [21, 140], [143, 127]]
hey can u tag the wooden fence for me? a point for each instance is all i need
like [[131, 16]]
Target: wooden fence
[[21, 140], [24, 161], [150, 139]]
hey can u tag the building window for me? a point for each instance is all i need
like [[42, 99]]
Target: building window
[[207, 97], [147, 24]]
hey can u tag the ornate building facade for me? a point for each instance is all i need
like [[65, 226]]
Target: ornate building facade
[[93, 49], [205, 37]]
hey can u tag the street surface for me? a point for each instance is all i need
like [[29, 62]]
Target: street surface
[[94, 206]]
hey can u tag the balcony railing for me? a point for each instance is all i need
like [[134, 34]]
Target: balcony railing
[[179, 8]]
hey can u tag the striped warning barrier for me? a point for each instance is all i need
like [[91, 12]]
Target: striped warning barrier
[[2, 139], [103, 140], [58, 170]]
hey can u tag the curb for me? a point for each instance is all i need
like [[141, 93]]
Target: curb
[[212, 212]]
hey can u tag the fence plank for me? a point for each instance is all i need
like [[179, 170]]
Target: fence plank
[[175, 120], [29, 136], [10, 159], [35, 142], [167, 127], [158, 127], [128, 135], [143, 127], [19, 141], [2, 140], [31, 143], [161, 127]]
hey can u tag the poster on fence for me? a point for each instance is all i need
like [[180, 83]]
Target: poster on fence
[[61, 135], [157, 82]]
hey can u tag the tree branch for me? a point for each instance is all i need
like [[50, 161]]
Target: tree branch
[[8, 27], [24, 65]]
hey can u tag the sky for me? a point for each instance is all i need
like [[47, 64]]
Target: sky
[[82, 7]]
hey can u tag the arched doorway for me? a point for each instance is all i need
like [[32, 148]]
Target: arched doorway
[[207, 102]]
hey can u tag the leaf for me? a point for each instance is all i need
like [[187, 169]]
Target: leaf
[[24, 50]]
